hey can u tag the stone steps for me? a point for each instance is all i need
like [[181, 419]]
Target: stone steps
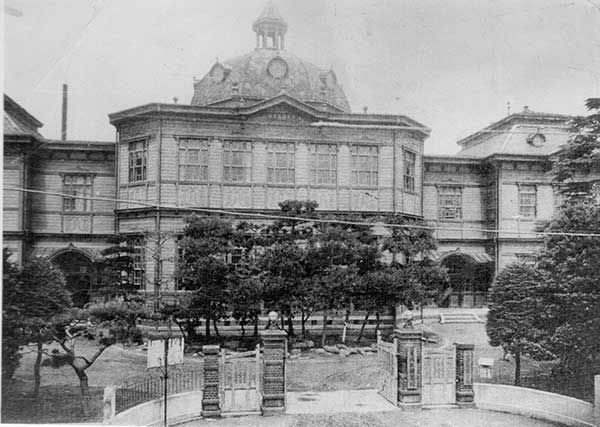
[[460, 318]]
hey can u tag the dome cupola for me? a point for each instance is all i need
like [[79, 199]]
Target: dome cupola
[[268, 71], [270, 28]]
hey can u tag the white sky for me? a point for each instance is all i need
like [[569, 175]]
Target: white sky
[[450, 64]]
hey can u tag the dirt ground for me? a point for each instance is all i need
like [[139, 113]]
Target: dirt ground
[[60, 400]]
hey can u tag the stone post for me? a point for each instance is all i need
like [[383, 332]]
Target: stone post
[[110, 403], [210, 397], [464, 374], [273, 380], [597, 399], [410, 349]]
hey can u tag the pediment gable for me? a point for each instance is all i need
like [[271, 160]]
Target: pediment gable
[[284, 110]]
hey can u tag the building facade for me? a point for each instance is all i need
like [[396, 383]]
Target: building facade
[[263, 128]]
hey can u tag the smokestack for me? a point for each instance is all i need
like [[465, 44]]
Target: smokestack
[[63, 133]]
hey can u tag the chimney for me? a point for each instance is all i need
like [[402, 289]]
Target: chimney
[[526, 109], [63, 132]]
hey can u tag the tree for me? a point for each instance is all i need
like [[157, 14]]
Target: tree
[[576, 163], [245, 294], [514, 322], [569, 263], [204, 270], [39, 296], [571, 293], [105, 324], [12, 331], [117, 273]]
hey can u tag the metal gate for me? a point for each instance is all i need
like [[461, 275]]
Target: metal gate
[[240, 382], [387, 357], [439, 377]]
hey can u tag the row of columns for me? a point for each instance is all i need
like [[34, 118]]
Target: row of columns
[[262, 39]]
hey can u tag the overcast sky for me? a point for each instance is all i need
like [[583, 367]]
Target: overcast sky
[[450, 64]]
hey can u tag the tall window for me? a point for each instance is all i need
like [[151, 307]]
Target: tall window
[[410, 160], [137, 161], [365, 165], [324, 164], [527, 201], [450, 202], [139, 263], [77, 185], [236, 161], [193, 159], [280, 167]]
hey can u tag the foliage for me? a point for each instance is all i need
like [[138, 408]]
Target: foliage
[[580, 157], [12, 332], [245, 294], [105, 323], [204, 270], [570, 287], [117, 270], [514, 321]]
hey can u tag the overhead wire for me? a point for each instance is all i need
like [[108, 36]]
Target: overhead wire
[[303, 219]]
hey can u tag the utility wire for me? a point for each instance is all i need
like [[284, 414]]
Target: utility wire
[[318, 220]]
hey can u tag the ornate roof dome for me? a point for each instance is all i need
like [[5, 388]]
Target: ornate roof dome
[[268, 71]]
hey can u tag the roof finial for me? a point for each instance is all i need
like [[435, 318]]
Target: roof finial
[[270, 28], [508, 108]]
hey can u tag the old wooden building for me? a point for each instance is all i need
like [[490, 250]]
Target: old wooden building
[[263, 128]]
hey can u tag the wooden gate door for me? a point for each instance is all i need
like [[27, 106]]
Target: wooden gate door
[[388, 361], [439, 377], [240, 382]]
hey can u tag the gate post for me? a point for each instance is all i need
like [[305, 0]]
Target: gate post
[[410, 349], [464, 374], [210, 396], [273, 376]]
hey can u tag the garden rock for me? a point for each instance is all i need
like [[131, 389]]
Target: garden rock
[[331, 349], [342, 346], [320, 351]]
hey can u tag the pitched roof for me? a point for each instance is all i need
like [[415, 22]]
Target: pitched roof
[[18, 122], [270, 13]]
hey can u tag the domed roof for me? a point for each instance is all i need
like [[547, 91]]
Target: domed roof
[[268, 71]]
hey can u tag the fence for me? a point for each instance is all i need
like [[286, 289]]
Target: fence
[[130, 395]]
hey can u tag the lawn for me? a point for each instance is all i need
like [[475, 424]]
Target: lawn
[[60, 401]]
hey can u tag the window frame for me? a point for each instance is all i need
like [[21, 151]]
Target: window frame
[[372, 165], [525, 190], [138, 263], [133, 156], [331, 151], [184, 163], [409, 170], [445, 194], [229, 166], [85, 189], [273, 170]]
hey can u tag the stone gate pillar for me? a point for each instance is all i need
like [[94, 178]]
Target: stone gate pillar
[[464, 374], [410, 349], [210, 398], [273, 380]]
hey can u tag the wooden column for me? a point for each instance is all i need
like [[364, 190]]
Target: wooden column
[[210, 398], [110, 403], [410, 349], [464, 374], [273, 380]]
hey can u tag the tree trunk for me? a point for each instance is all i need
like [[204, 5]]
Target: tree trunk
[[362, 328], [324, 332], [290, 326], [517, 368], [243, 329], [85, 389], [256, 326], [216, 329], [36, 370], [377, 322], [303, 323], [207, 328]]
